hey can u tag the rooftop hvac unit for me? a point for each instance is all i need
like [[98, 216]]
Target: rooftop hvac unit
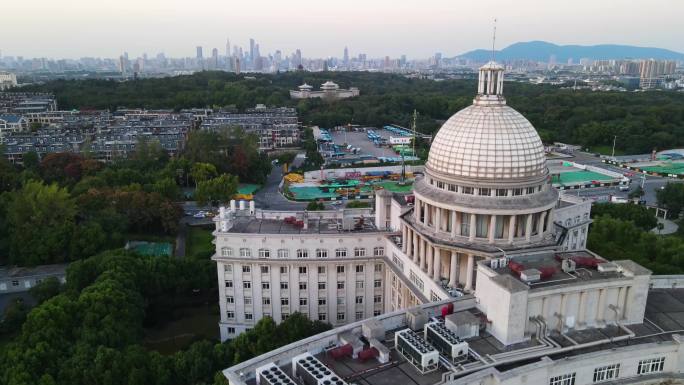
[[445, 340], [494, 263], [503, 262], [314, 372], [463, 324], [568, 265], [373, 329], [271, 374], [416, 319], [416, 350], [530, 275], [607, 267]]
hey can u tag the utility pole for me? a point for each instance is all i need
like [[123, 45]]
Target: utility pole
[[614, 140]]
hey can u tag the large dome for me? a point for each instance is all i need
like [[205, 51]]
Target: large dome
[[488, 140]]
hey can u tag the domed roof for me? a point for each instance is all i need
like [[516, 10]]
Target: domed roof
[[488, 140]]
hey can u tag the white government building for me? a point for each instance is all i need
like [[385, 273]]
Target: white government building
[[329, 91], [485, 264]]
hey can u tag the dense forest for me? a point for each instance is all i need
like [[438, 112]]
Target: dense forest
[[641, 121]]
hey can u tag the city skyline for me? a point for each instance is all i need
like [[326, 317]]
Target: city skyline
[[324, 31]]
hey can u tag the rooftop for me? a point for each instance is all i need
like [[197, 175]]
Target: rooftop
[[252, 225]]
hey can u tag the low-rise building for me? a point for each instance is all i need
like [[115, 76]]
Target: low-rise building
[[329, 91], [18, 279]]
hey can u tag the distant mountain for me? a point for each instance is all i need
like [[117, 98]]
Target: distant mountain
[[541, 51]]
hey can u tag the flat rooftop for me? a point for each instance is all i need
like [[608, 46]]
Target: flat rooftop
[[252, 225], [664, 317]]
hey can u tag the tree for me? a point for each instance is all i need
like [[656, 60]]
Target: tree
[[201, 172], [61, 167], [9, 177], [672, 198], [13, 316], [45, 290], [40, 220], [315, 206], [639, 215], [219, 189]]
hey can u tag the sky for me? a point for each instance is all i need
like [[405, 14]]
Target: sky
[[107, 28]]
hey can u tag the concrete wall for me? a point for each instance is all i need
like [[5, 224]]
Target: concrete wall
[[667, 281], [340, 172]]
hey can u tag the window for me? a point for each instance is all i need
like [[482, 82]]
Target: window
[[340, 284], [378, 267], [248, 316], [302, 253], [397, 262], [284, 301], [519, 191], [565, 379], [416, 281], [485, 192], [359, 252], [283, 269], [248, 300], [303, 301], [247, 285], [321, 269], [321, 316], [341, 253], [359, 284], [283, 253], [284, 286], [230, 314], [228, 268], [501, 192], [229, 284], [606, 372], [231, 330], [377, 299], [321, 253], [377, 313], [302, 269], [340, 300], [651, 365], [246, 268], [264, 269], [452, 187], [481, 226], [359, 315], [359, 268], [468, 190], [440, 184], [340, 316], [378, 251], [226, 252], [266, 285], [321, 286], [340, 269], [322, 301], [244, 252], [284, 316], [434, 297], [302, 286], [377, 283], [264, 253], [230, 299], [359, 299], [465, 224]]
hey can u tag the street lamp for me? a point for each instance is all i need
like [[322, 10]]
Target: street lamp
[[614, 139]]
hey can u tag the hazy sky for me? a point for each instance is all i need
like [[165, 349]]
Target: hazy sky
[[75, 28]]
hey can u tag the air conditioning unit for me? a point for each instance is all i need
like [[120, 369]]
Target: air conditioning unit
[[416, 350], [607, 267], [445, 341], [494, 263], [530, 275], [568, 265]]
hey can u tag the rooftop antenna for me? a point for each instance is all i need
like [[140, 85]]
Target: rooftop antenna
[[494, 40]]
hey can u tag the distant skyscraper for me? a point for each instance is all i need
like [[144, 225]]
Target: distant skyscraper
[[251, 49], [227, 47], [199, 52], [214, 58], [346, 56]]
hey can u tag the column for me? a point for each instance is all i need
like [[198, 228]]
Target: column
[[601, 311], [438, 218], [470, 272], [582, 309], [542, 219], [417, 205], [528, 227], [456, 224], [404, 239], [511, 229], [437, 264], [492, 228], [473, 227], [422, 254], [416, 247], [453, 269], [427, 215], [429, 258]]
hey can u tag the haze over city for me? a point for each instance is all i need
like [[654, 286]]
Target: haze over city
[[378, 28]]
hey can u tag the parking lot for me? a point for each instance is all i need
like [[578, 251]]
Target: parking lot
[[360, 140]]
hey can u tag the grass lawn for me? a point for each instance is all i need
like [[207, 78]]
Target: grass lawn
[[198, 242], [197, 322]]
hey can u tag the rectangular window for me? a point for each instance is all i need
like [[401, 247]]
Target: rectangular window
[[321, 286], [359, 284], [302, 253], [516, 192], [452, 187], [416, 281], [230, 300], [377, 283], [283, 269], [340, 300], [321, 269], [246, 268], [284, 316], [321, 253], [341, 253], [248, 300], [284, 301], [340, 284], [481, 226], [359, 299], [266, 301], [605, 373], [465, 224], [530, 190], [321, 316], [264, 269], [245, 252], [283, 253], [397, 262], [226, 252], [247, 285], [377, 299], [434, 297], [378, 251], [322, 301], [359, 252], [264, 253], [565, 379], [229, 284], [302, 286], [468, 190], [231, 330], [303, 301], [228, 268], [359, 315], [359, 268], [340, 269], [230, 314], [651, 365], [377, 313], [340, 316], [266, 285], [501, 192], [485, 192], [248, 316], [284, 286]]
